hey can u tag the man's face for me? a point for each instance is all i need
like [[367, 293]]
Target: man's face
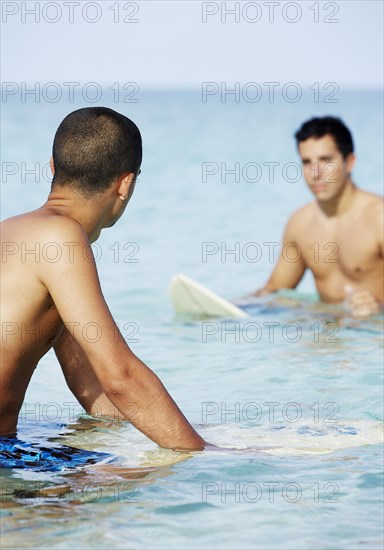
[[325, 169]]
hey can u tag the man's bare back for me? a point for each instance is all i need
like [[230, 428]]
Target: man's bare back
[[30, 320], [50, 290], [339, 236]]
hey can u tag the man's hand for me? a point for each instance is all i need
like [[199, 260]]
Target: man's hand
[[361, 303], [264, 291]]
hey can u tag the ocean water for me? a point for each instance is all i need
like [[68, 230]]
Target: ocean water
[[292, 395]]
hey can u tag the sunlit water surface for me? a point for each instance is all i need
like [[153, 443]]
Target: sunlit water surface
[[291, 396]]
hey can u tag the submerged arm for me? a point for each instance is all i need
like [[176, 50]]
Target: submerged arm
[[290, 267]]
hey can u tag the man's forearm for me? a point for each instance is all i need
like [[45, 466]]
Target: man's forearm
[[143, 400], [131, 388]]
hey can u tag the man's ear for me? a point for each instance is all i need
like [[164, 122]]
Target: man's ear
[[125, 186], [52, 166], [350, 161]]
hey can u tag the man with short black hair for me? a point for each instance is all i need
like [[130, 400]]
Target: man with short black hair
[[96, 158], [338, 236]]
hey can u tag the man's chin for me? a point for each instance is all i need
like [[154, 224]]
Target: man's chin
[[322, 195]]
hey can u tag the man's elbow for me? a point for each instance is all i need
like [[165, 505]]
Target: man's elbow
[[115, 386], [117, 377]]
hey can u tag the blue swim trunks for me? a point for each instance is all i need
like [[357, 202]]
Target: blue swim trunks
[[15, 453]]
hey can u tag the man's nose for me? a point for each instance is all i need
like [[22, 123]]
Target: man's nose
[[321, 172]]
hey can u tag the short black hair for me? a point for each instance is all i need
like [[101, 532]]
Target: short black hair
[[318, 127], [94, 146]]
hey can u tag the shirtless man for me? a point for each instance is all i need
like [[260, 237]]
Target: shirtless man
[[338, 236], [50, 287]]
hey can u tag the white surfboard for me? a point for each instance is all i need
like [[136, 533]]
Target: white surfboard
[[192, 298]]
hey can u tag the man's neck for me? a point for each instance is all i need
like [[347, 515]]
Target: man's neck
[[340, 204], [85, 211]]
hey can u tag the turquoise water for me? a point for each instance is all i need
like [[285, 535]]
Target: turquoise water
[[293, 394]]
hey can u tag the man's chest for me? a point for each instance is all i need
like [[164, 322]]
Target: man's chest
[[351, 249]]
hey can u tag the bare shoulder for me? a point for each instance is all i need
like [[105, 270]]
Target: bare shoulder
[[42, 226], [63, 228], [370, 198], [301, 218], [371, 206]]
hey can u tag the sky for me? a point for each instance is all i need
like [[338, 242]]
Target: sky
[[181, 44]]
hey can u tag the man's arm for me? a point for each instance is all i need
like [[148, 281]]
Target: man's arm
[[290, 267], [135, 391], [363, 303], [81, 378]]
